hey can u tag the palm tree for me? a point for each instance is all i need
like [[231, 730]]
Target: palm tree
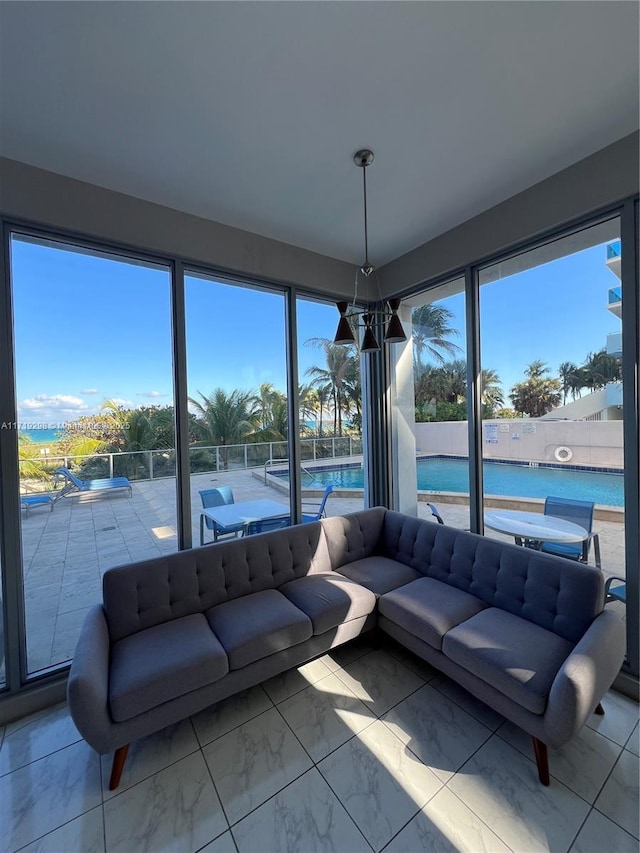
[[272, 412], [431, 330], [319, 397], [132, 428], [133, 434], [538, 394], [600, 369], [340, 375], [454, 377], [308, 408], [536, 369], [492, 396], [429, 388], [225, 419], [30, 460], [568, 373]]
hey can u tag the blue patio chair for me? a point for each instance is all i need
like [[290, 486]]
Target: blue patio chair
[[217, 497], [435, 513], [578, 512], [615, 593], [74, 485], [262, 525], [321, 509]]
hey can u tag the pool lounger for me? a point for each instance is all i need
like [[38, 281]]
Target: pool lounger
[[29, 501], [74, 485]]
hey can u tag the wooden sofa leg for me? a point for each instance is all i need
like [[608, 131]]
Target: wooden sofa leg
[[599, 710], [542, 760], [118, 765]]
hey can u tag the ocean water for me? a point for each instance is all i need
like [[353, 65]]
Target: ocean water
[[42, 436]]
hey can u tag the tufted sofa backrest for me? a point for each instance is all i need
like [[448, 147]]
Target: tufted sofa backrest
[[355, 536], [144, 594], [557, 594]]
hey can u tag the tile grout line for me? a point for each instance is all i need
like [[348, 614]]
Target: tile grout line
[[217, 737], [559, 781], [376, 717], [617, 761]]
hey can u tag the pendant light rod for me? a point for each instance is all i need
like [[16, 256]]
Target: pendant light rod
[[364, 158], [379, 315], [366, 230]]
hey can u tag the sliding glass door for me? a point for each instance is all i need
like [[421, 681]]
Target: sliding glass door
[[238, 402], [96, 437], [552, 349], [431, 406], [330, 400]]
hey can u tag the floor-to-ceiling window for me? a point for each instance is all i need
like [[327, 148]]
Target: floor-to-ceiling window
[[238, 403], [431, 396], [330, 399], [554, 415], [551, 349], [94, 398], [94, 401]]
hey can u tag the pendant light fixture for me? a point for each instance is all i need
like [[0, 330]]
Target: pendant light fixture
[[384, 312]]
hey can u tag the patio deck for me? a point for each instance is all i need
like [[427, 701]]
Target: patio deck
[[66, 552]]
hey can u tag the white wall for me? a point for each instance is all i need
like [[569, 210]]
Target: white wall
[[591, 442], [604, 400]]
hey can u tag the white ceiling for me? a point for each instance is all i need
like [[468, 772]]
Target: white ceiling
[[248, 113]]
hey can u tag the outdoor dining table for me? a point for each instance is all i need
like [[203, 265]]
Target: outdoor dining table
[[229, 515], [534, 527]]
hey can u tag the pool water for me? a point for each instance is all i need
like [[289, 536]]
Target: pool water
[[452, 475]]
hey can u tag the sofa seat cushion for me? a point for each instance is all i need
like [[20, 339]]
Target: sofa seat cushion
[[329, 599], [429, 608], [162, 663], [379, 574], [515, 656], [258, 625]]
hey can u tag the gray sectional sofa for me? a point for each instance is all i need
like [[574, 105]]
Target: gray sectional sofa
[[525, 632]]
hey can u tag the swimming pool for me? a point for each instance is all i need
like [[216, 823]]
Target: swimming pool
[[442, 474]]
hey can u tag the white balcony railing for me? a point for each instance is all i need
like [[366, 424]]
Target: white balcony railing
[[155, 464]]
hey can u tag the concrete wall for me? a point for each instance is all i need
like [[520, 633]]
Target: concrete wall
[[60, 203], [606, 401], [603, 179], [591, 442]]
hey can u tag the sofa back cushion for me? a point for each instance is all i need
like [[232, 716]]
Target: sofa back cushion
[[554, 593], [355, 536], [140, 595]]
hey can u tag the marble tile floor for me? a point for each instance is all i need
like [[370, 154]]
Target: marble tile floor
[[364, 749], [66, 552]]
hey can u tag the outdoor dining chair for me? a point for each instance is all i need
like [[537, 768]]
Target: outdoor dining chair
[[261, 525], [217, 497], [321, 510], [578, 512], [615, 593], [435, 513]]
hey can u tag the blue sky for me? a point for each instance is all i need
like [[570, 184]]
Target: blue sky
[[89, 328]]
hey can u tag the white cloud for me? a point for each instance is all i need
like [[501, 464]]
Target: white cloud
[[120, 402], [89, 391], [152, 394], [51, 410], [58, 402]]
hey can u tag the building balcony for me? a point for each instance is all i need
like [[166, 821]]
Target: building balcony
[[614, 344], [614, 253], [615, 301]]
